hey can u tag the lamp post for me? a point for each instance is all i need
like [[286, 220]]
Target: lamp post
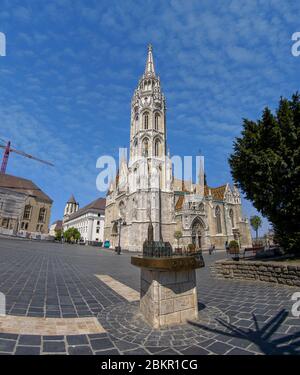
[[120, 222]]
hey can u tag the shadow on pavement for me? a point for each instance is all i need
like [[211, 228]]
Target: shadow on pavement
[[261, 337]]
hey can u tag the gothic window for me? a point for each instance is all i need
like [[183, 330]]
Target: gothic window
[[231, 217], [136, 123], [145, 148], [122, 209], [135, 147], [42, 214], [157, 148], [218, 219], [146, 120], [27, 212], [156, 121]]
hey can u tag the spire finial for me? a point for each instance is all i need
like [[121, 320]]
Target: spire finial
[[150, 63]]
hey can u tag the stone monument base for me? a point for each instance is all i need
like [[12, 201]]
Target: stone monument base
[[168, 297]]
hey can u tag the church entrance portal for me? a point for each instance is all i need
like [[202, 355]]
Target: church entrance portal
[[197, 232]]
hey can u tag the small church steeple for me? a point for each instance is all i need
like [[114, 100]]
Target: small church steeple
[[71, 207]]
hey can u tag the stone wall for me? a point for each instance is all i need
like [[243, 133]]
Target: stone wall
[[274, 272]]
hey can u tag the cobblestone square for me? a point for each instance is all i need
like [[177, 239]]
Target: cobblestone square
[[90, 293]]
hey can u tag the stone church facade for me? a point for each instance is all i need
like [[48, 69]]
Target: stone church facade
[[145, 190]]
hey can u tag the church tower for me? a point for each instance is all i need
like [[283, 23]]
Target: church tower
[[148, 140], [142, 194], [71, 207]]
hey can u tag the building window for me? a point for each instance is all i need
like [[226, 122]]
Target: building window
[[146, 120], [27, 212], [156, 148], [97, 230], [22, 225], [26, 226], [37, 228], [218, 219], [5, 223], [156, 121], [42, 215], [145, 148], [135, 150], [98, 222], [231, 217]]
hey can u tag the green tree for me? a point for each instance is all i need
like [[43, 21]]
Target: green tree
[[266, 166], [256, 223], [58, 234], [72, 234], [178, 236]]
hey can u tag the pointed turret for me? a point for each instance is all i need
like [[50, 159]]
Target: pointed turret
[[72, 199], [71, 207], [149, 69]]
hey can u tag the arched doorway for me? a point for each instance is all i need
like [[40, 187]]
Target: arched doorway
[[114, 234], [197, 232]]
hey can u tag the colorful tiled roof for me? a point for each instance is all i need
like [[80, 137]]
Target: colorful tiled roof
[[217, 194], [179, 202]]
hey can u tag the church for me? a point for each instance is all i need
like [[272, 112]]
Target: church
[[145, 190]]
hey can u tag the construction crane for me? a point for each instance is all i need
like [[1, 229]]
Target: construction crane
[[8, 150]]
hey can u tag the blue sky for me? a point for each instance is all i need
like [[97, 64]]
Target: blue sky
[[71, 68]]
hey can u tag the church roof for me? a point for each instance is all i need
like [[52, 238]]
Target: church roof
[[217, 194], [72, 199], [22, 185], [96, 205], [179, 202]]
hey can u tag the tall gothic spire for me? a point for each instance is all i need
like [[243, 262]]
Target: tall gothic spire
[[149, 70]]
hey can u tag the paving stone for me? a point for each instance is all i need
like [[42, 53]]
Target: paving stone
[[219, 348], [28, 350], [138, 351], [53, 338], [29, 340], [80, 350], [99, 344], [53, 347], [194, 350], [108, 352], [7, 345], [77, 340], [8, 336], [124, 345]]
